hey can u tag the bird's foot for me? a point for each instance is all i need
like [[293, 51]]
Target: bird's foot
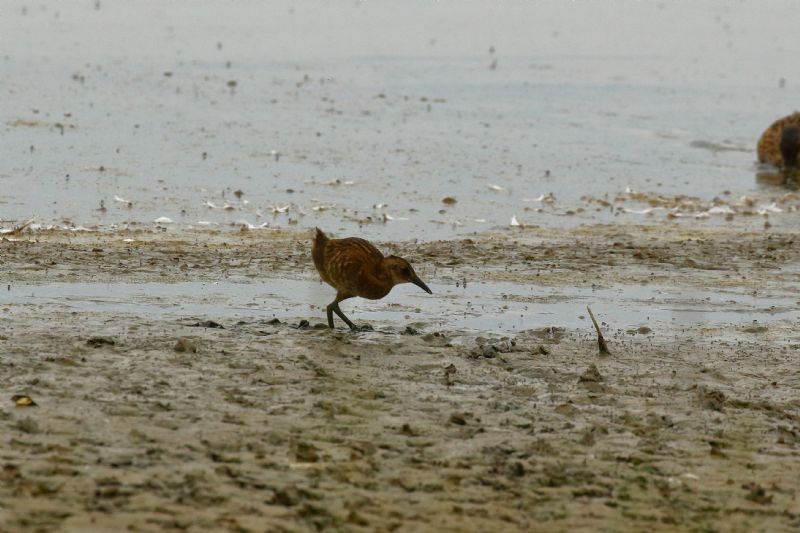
[[361, 329]]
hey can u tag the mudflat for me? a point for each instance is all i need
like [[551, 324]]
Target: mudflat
[[170, 410]]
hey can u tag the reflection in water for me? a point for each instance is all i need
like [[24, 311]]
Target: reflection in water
[[788, 178], [382, 110]]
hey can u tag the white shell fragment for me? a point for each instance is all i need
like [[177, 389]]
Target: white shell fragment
[[721, 210], [645, 211], [771, 208]]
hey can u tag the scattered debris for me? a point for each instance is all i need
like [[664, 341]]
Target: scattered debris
[[591, 380], [541, 350], [591, 375], [756, 493], [207, 324], [457, 419], [408, 431], [710, 398], [97, 342], [306, 452], [185, 345], [716, 447], [23, 400], [16, 230], [449, 372], [121, 200]]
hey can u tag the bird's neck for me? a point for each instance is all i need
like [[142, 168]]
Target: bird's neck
[[379, 281]]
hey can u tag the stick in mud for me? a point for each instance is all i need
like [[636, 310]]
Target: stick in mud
[[601, 342], [18, 229]]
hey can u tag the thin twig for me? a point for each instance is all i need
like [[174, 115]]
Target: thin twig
[[601, 342], [17, 230]]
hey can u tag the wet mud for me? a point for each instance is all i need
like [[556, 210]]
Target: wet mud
[[223, 416]]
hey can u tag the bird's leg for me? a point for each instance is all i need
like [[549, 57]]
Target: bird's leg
[[334, 308], [346, 320], [329, 309]]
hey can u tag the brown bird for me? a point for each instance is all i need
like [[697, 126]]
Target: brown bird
[[780, 143], [354, 267]]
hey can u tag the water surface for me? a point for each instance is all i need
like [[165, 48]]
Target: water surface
[[361, 117]]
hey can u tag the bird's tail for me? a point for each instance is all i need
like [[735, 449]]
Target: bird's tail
[[318, 249]]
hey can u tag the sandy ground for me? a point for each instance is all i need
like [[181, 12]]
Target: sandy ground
[[266, 427]]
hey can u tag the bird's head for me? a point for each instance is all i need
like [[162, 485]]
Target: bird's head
[[790, 145], [402, 272]]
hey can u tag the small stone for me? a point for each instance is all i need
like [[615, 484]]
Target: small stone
[[458, 419], [306, 453], [97, 342], [407, 431], [207, 324]]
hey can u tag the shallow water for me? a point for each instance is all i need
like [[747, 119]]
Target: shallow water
[[481, 307], [132, 101]]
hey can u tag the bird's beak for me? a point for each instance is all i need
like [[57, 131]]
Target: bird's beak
[[421, 284]]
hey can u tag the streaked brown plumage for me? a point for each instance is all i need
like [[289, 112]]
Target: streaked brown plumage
[[354, 267], [780, 143]]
